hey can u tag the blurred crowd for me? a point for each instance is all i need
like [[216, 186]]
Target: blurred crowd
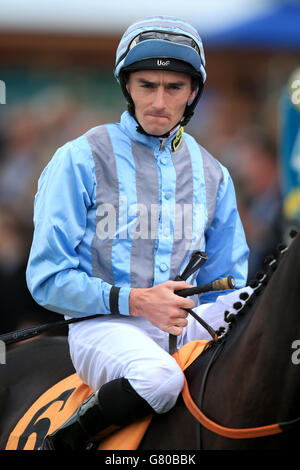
[[30, 134]]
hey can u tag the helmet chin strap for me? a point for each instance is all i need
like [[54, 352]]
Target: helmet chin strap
[[141, 130]]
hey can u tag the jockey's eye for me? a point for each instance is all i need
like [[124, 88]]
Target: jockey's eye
[[147, 85], [174, 86]]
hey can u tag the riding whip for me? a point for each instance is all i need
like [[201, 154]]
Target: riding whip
[[198, 258], [31, 332]]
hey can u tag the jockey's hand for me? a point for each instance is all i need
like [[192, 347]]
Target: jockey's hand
[[161, 306]]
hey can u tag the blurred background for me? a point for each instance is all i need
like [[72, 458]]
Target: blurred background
[[56, 81]]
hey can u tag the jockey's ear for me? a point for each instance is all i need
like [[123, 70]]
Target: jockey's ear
[[194, 84]]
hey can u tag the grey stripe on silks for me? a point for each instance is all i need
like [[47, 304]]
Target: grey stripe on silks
[[184, 195], [107, 196], [142, 250], [213, 176]]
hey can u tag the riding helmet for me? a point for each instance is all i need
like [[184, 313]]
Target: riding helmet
[[161, 43]]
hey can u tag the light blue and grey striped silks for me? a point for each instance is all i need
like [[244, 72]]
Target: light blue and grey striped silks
[[119, 208]]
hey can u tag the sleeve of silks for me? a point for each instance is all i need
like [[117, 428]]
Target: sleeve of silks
[[55, 277], [226, 245]]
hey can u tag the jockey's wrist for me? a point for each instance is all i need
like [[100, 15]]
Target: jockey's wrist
[[136, 302]]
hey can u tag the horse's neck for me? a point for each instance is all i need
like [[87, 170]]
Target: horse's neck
[[255, 368], [274, 320]]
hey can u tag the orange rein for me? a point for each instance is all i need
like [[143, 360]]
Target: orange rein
[[233, 433], [185, 356]]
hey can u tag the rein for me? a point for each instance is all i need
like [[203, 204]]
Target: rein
[[232, 433]]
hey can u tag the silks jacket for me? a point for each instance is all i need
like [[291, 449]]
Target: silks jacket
[[117, 209]]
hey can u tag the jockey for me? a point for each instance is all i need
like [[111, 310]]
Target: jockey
[[117, 214]]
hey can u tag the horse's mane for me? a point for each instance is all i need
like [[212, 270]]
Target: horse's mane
[[235, 319]]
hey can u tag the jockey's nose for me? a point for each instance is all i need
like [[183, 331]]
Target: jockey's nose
[[159, 100]]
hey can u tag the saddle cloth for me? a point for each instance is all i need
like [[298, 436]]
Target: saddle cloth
[[57, 404]]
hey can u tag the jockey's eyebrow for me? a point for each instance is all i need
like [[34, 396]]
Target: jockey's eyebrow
[[144, 81]]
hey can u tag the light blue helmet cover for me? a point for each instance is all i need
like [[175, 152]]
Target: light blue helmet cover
[[158, 48]]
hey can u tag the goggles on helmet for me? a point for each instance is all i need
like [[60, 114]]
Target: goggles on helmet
[[172, 37]]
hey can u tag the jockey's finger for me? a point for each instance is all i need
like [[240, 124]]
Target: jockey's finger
[[183, 313], [178, 285], [186, 303], [181, 322], [174, 330]]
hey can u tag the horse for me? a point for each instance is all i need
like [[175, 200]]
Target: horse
[[247, 378]]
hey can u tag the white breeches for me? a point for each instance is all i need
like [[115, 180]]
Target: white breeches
[[112, 347]]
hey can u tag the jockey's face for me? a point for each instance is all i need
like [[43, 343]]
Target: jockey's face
[[160, 98]]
